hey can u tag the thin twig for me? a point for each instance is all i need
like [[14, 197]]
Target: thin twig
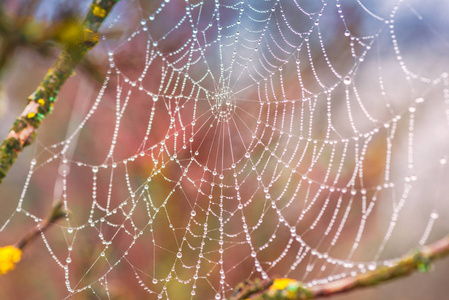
[[56, 213], [10, 255], [419, 260], [40, 103]]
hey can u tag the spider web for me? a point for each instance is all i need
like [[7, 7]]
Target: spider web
[[233, 140]]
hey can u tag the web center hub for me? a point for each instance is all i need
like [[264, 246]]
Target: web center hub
[[222, 104]]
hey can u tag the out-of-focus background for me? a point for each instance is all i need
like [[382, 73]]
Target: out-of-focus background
[[329, 83]]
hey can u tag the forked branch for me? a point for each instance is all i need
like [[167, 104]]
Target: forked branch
[[289, 289], [55, 215], [40, 103], [10, 255]]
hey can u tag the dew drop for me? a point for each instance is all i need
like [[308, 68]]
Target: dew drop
[[419, 100]]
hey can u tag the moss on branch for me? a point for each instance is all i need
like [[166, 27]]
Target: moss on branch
[[290, 289], [41, 102]]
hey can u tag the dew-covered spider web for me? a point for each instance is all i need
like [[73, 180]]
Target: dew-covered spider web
[[234, 140]]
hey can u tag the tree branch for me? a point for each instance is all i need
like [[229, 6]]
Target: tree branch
[[289, 289], [10, 255], [40, 103], [57, 213]]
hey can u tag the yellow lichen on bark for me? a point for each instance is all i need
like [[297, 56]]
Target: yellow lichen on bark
[[98, 11], [9, 257], [282, 283], [91, 36]]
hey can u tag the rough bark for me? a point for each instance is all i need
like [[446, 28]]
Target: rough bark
[[289, 289], [40, 103]]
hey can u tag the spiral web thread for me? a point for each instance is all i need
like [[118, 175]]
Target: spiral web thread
[[275, 138]]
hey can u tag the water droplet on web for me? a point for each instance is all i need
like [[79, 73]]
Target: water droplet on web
[[419, 100], [281, 114]]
